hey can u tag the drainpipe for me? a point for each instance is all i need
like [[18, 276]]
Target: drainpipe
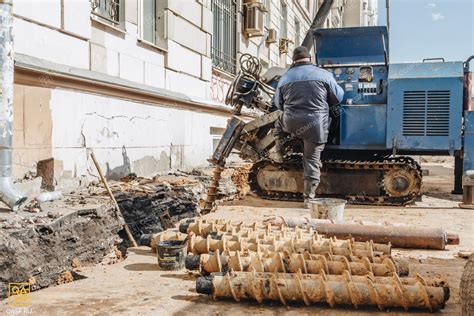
[[8, 193]]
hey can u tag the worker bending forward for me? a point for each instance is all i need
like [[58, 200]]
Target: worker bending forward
[[308, 97]]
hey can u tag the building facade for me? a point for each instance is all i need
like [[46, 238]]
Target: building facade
[[140, 82], [361, 13]]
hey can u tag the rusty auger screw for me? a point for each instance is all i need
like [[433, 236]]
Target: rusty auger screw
[[310, 289], [288, 262], [198, 245], [212, 190]]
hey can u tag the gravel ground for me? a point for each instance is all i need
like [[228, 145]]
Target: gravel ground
[[136, 286]]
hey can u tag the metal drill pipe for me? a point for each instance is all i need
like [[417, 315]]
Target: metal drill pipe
[[198, 245], [310, 289], [291, 263]]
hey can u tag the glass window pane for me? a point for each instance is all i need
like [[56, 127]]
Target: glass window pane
[[148, 20]]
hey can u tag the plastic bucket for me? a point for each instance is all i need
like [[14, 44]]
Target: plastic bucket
[[325, 208], [171, 254]]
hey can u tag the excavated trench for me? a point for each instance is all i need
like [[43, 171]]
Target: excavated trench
[[47, 247]]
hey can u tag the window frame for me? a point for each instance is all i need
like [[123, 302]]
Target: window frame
[[224, 55], [108, 20], [159, 18], [297, 32], [283, 19]]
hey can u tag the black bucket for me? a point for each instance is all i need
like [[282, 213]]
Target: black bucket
[[171, 254]]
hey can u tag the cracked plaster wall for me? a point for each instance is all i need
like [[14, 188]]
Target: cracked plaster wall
[[127, 136]]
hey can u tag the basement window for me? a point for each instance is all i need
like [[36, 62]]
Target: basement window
[[151, 22], [110, 12]]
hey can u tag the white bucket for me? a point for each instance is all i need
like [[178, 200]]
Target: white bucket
[[325, 208]]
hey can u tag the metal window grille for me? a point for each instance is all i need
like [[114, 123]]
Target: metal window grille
[[224, 35], [108, 10]]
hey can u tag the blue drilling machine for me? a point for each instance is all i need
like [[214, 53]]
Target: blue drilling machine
[[389, 112]]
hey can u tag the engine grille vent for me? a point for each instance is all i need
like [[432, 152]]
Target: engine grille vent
[[426, 113]]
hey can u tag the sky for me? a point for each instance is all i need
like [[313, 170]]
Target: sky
[[429, 28]]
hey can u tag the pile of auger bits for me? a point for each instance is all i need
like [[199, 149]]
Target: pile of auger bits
[[268, 263]]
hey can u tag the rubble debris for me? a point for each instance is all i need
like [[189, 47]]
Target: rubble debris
[[145, 212], [114, 256], [65, 277], [464, 254], [75, 263], [240, 177], [290, 263], [49, 196], [310, 289]]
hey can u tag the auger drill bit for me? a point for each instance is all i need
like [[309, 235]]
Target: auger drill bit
[[310, 289], [198, 245], [288, 263], [212, 190]]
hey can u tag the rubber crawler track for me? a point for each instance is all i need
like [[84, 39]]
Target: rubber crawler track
[[381, 163]]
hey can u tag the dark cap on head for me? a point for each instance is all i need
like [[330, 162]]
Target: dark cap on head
[[300, 52]]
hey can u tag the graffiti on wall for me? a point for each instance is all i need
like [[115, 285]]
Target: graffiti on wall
[[219, 87]]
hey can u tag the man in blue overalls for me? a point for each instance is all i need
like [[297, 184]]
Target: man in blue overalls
[[308, 97]]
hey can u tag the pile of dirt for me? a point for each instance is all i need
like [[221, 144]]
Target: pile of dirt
[[158, 209], [41, 254]]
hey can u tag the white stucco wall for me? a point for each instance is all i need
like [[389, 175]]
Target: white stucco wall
[[155, 138]]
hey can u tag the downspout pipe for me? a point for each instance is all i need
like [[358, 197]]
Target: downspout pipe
[[10, 195]]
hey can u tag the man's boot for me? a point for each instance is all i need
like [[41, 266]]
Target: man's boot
[[279, 152], [309, 193]]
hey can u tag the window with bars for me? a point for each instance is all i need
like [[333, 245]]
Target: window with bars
[[224, 35], [109, 11]]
